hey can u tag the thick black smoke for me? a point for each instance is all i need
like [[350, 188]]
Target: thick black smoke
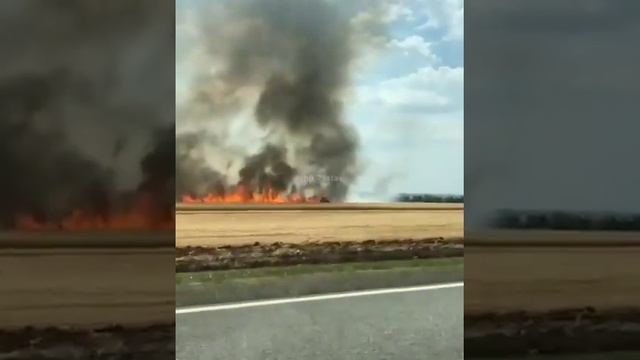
[[193, 175], [84, 121], [296, 56], [267, 170]]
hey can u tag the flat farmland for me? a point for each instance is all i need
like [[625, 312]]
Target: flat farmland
[[217, 225], [561, 291], [549, 270], [85, 281]]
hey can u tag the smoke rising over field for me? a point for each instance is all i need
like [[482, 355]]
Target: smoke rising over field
[[579, 100], [84, 124], [289, 62]]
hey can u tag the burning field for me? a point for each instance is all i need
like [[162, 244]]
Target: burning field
[[244, 195], [87, 151], [262, 120], [89, 200], [82, 145], [266, 153]]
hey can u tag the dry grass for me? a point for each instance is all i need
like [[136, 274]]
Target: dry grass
[[215, 226], [582, 271]]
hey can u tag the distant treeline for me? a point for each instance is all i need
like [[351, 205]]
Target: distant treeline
[[430, 198], [562, 220]]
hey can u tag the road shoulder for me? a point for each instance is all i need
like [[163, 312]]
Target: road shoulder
[[214, 287]]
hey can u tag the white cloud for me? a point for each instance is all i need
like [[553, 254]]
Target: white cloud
[[447, 15], [411, 154], [412, 133], [384, 12], [428, 89], [397, 11], [416, 43], [369, 29]]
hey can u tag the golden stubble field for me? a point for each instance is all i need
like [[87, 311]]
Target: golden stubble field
[[86, 280], [202, 225], [549, 270]]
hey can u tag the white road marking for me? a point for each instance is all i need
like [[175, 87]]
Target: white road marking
[[248, 304]]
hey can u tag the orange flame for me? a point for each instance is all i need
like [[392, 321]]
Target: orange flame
[[244, 195], [138, 217]]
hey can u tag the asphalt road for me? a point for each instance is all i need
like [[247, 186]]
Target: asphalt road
[[424, 323]]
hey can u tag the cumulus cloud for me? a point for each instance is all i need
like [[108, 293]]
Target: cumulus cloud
[[413, 126], [418, 44], [447, 15], [426, 90], [411, 122], [399, 11]]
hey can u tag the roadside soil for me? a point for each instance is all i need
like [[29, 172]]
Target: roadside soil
[[199, 258], [570, 331], [141, 343]]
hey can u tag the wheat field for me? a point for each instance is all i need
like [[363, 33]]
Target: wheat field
[[517, 270], [87, 288], [211, 225]]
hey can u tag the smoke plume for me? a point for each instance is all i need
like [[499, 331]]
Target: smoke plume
[[84, 121], [289, 61]]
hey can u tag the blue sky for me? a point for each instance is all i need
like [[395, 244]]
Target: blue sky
[[407, 104], [409, 108]]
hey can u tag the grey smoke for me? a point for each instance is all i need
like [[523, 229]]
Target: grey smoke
[[551, 113], [193, 175], [84, 121], [299, 55], [267, 170]]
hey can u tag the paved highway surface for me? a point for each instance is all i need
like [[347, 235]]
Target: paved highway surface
[[415, 323]]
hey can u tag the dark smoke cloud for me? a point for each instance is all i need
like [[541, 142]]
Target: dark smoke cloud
[[297, 56], [267, 170], [551, 110], [193, 175], [84, 121]]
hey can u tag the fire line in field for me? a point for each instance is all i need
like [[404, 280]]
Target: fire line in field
[[81, 221], [243, 195], [142, 215]]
